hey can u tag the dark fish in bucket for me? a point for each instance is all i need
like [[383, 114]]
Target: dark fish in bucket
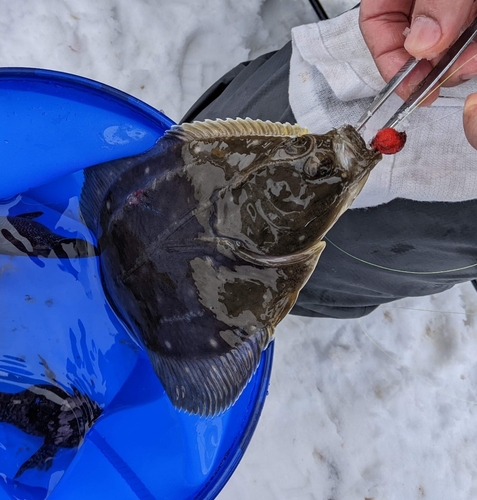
[[50, 412], [23, 235], [206, 240]]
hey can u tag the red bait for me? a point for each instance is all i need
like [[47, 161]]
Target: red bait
[[389, 141]]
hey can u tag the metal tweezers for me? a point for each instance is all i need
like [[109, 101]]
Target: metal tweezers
[[424, 88]]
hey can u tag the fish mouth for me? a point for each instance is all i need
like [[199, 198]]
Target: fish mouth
[[352, 152]]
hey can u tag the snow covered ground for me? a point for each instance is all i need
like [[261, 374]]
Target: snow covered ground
[[380, 408]]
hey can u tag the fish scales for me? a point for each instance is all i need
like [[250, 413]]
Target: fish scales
[[206, 240]]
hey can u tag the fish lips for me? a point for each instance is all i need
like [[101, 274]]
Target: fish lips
[[353, 154]]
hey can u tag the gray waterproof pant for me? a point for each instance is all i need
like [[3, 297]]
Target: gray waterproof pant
[[376, 255]]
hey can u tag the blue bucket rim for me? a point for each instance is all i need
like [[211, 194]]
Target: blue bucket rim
[[234, 454], [83, 83]]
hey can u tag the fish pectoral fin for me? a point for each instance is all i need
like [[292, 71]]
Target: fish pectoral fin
[[208, 386], [311, 253], [42, 459]]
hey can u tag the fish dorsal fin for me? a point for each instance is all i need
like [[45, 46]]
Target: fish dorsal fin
[[233, 128]]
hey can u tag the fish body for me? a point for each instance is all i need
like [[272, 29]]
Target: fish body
[[48, 411], [23, 235], [206, 240]]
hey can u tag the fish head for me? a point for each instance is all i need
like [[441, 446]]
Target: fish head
[[298, 191]]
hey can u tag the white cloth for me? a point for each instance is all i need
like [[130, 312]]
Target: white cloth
[[333, 78]]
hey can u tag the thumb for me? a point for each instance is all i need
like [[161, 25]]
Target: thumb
[[470, 119]]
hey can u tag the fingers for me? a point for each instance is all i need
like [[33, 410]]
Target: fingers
[[470, 120], [435, 25], [382, 24]]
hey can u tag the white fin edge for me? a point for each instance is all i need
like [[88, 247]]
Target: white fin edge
[[230, 127]]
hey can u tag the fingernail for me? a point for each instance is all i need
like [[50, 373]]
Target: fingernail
[[425, 33]]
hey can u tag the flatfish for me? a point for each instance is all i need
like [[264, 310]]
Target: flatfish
[[48, 411], [22, 235], [206, 240]]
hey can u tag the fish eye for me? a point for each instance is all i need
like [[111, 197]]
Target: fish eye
[[297, 145], [318, 169]]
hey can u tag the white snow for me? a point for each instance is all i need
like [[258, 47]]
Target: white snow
[[380, 408]]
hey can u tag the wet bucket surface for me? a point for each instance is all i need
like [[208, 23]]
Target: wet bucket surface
[[58, 330]]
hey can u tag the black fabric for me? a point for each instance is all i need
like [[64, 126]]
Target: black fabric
[[376, 255], [319, 10]]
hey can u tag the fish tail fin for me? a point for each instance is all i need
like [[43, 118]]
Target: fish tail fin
[[22, 250], [209, 386], [41, 459]]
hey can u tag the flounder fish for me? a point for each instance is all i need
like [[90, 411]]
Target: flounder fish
[[206, 240], [23, 235], [50, 412]]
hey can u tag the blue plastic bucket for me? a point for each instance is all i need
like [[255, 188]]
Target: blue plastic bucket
[[57, 329]]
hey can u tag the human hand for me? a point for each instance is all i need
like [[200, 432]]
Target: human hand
[[434, 26], [470, 119]]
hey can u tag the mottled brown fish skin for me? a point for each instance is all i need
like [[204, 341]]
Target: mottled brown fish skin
[[207, 239]]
